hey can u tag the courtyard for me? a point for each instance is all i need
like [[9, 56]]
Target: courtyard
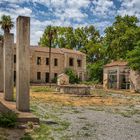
[[103, 115]]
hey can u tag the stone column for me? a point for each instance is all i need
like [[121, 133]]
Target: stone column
[[1, 67], [105, 78], [118, 78], [8, 66], [23, 63]]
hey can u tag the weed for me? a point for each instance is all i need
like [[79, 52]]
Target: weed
[[30, 125], [8, 119], [87, 134], [41, 89], [130, 113], [85, 128], [137, 121]]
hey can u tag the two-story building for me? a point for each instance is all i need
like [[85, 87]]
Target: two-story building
[[61, 59]]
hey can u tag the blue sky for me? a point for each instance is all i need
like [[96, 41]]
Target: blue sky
[[76, 13]]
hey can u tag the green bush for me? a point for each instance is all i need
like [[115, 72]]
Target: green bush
[[8, 119], [54, 80], [73, 78], [95, 72]]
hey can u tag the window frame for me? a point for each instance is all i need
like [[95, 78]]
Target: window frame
[[38, 60], [55, 62], [71, 62], [38, 75]]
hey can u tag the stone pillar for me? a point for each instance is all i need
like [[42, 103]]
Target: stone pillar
[[23, 63], [118, 78], [105, 78], [1, 67], [8, 66]]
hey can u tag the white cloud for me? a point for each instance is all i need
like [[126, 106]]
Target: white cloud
[[130, 7], [103, 8], [24, 11], [64, 12]]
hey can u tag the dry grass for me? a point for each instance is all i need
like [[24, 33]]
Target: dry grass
[[97, 98]]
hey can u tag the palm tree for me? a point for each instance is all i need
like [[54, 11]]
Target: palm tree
[[6, 23], [51, 34]]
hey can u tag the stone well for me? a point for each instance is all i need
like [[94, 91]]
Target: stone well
[[75, 89]]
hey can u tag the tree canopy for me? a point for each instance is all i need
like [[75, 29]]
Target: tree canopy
[[121, 36], [133, 58], [120, 41]]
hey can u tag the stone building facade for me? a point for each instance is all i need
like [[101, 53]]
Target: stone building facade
[[117, 75], [60, 60]]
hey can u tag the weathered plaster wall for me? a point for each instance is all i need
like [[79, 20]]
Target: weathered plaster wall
[[134, 81]]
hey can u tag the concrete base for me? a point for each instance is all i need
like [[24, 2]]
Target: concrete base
[[74, 89], [24, 117]]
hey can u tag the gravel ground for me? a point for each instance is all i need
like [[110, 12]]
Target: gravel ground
[[62, 118], [89, 124]]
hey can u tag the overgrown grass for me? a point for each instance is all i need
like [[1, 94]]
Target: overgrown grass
[[130, 113], [8, 119], [51, 125], [42, 89]]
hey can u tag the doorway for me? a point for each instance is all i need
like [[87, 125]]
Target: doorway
[[47, 77], [112, 79]]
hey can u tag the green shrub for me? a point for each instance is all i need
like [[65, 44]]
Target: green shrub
[[73, 78], [54, 80], [8, 119], [95, 72]]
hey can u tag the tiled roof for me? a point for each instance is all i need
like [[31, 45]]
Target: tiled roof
[[55, 50], [46, 49], [117, 63], [71, 51]]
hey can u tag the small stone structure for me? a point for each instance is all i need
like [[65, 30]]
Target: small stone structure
[[117, 75], [63, 79], [8, 66], [23, 63], [75, 89], [1, 66]]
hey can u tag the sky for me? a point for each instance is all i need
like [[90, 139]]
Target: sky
[[75, 13]]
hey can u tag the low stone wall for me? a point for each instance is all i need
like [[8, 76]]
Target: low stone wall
[[74, 89]]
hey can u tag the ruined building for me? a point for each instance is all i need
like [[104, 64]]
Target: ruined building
[[117, 75], [61, 59]]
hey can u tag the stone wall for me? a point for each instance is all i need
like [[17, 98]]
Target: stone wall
[[43, 68], [134, 81], [74, 89]]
